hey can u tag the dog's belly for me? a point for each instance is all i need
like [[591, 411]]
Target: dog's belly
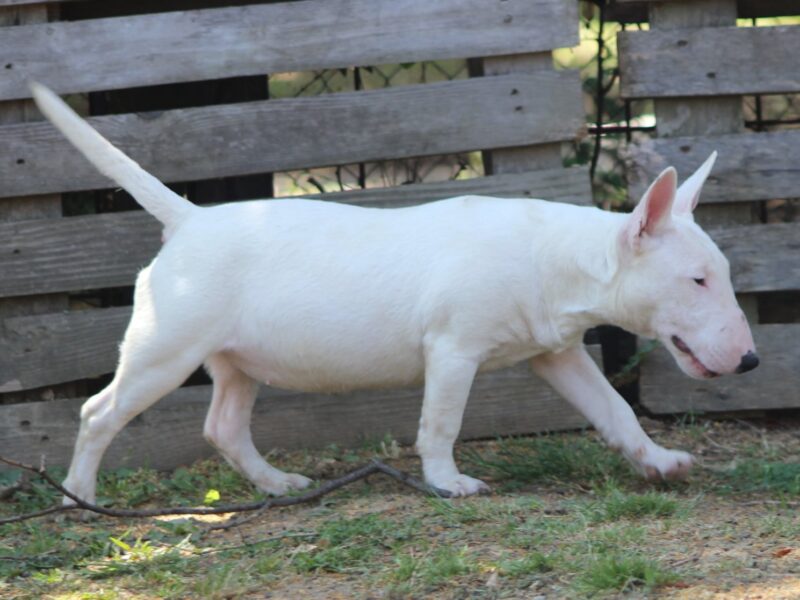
[[319, 369]]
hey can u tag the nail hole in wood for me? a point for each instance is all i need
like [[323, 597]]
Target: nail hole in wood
[[711, 75], [685, 148], [25, 423], [20, 161]]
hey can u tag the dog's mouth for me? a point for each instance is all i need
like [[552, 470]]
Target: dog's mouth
[[682, 347]]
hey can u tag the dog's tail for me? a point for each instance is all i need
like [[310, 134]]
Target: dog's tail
[[164, 204]]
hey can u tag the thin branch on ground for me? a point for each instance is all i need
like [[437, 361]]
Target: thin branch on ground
[[371, 468]]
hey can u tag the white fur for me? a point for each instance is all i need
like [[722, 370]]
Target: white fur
[[317, 296]]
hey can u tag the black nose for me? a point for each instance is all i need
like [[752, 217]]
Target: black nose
[[749, 362]]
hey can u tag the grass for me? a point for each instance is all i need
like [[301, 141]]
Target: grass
[[517, 462], [621, 573], [571, 521], [754, 475]]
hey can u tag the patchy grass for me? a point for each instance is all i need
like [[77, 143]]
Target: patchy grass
[[575, 460], [622, 573], [570, 520], [755, 475]]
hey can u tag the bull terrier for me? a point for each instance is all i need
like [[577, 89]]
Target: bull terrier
[[321, 297]]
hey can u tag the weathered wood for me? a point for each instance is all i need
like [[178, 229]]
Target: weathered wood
[[107, 250], [103, 54], [709, 62], [702, 116], [527, 157], [750, 166], [774, 384], [635, 11], [256, 137], [167, 435], [37, 207], [55, 348], [763, 257]]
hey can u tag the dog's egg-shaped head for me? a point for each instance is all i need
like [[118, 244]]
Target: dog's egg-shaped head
[[676, 283]]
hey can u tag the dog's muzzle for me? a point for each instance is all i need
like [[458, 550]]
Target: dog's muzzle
[[749, 362]]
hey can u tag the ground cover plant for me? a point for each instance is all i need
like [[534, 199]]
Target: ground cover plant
[[567, 519]]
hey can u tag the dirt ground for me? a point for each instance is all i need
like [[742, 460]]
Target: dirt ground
[[566, 519]]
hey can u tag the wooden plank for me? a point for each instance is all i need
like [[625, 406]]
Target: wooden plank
[[43, 350], [97, 251], [103, 54], [764, 258], [709, 62], [507, 402], [276, 135], [55, 348], [37, 207], [524, 157], [703, 116], [636, 11], [750, 166], [773, 385]]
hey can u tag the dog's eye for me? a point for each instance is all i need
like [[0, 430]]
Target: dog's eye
[[700, 281]]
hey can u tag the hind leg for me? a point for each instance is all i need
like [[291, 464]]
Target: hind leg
[[160, 350], [227, 428], [140, 381]]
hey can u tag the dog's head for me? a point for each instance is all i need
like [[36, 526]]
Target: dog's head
[[676, 283]]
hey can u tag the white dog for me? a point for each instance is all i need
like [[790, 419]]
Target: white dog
[[317, 296]]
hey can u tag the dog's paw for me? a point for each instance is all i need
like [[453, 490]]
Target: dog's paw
[[287, 483], [658, 463], [462, 485]]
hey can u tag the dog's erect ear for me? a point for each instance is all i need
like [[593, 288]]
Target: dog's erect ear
[[653, 211], [688, 194]]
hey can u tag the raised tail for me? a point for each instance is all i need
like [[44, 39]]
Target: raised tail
[[156, 198]]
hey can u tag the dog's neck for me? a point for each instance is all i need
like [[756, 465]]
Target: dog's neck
[[582, 279]]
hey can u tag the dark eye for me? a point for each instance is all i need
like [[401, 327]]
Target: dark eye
[[700, 281]]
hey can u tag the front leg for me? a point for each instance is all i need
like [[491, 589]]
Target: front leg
[[448, 378], [574, 375]]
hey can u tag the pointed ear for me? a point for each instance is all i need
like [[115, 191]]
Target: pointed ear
[[653, 211], [688, 194]]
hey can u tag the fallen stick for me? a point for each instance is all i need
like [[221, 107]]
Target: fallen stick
[[372, 467]]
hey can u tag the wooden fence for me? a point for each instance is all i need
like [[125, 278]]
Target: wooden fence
[[696, 63], [518, 112]]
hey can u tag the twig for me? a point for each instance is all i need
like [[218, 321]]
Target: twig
[[781, 503], [374, 466]]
